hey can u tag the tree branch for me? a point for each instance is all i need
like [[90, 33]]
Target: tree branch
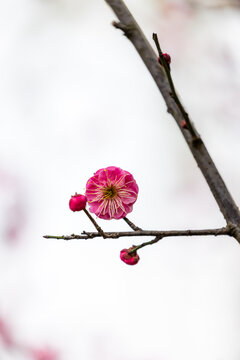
[[163, 233], [216, 184]]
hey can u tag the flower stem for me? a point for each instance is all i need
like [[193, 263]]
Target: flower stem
[[99, 229]]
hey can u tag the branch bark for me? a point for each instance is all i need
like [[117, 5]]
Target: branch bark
[[215, 182], [162, 233]]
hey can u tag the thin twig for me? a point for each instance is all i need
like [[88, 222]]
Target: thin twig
[[163, 233], [174, 94], [131, 224]]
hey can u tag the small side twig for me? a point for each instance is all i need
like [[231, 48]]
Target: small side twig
[[174, 94], [127, 29], [131, 224]]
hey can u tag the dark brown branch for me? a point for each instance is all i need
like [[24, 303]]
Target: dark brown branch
[[216, 184], [115, 235]]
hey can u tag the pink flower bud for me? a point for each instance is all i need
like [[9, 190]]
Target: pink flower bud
[[167, 58], [130, 259], [77, 202], [183, 124]]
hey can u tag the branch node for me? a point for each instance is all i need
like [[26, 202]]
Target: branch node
[[127, 29], [196, 141], [233, 230]]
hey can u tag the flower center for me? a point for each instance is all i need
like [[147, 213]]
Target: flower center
[[109, 192]]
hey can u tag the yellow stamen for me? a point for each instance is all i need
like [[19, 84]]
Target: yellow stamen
[[109, 192]]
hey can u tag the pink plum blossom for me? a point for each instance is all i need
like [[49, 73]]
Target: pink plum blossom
[[130, 259], [44, 354], [11, 207], [5, 334], [111, 193]]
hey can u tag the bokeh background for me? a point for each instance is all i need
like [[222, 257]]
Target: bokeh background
[[76, 97]]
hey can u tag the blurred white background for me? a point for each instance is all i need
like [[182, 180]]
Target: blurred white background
[[76, 97]]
